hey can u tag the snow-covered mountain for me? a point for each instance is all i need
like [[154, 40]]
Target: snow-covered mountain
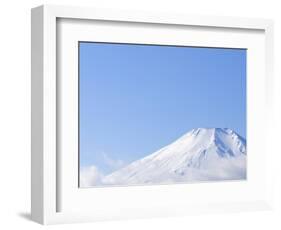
[[203, 154]]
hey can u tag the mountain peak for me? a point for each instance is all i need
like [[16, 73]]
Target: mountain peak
[[225, 140], [196, 131]]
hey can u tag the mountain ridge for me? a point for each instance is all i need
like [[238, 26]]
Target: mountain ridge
[[202, 154]]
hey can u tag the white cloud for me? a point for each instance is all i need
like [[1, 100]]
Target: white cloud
[[113, 164], [90, 176]]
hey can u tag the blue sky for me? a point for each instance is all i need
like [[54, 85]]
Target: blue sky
[[135, 99]]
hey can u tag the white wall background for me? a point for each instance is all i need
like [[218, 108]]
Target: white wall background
[[15, 112]]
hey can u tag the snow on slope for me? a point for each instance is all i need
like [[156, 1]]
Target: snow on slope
[[200, 155]]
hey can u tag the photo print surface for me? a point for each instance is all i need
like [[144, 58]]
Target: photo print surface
[[157, 114]]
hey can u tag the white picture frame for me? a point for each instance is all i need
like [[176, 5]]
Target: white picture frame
[[56, 198]]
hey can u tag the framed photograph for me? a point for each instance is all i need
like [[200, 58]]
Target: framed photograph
[[139, 114]]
